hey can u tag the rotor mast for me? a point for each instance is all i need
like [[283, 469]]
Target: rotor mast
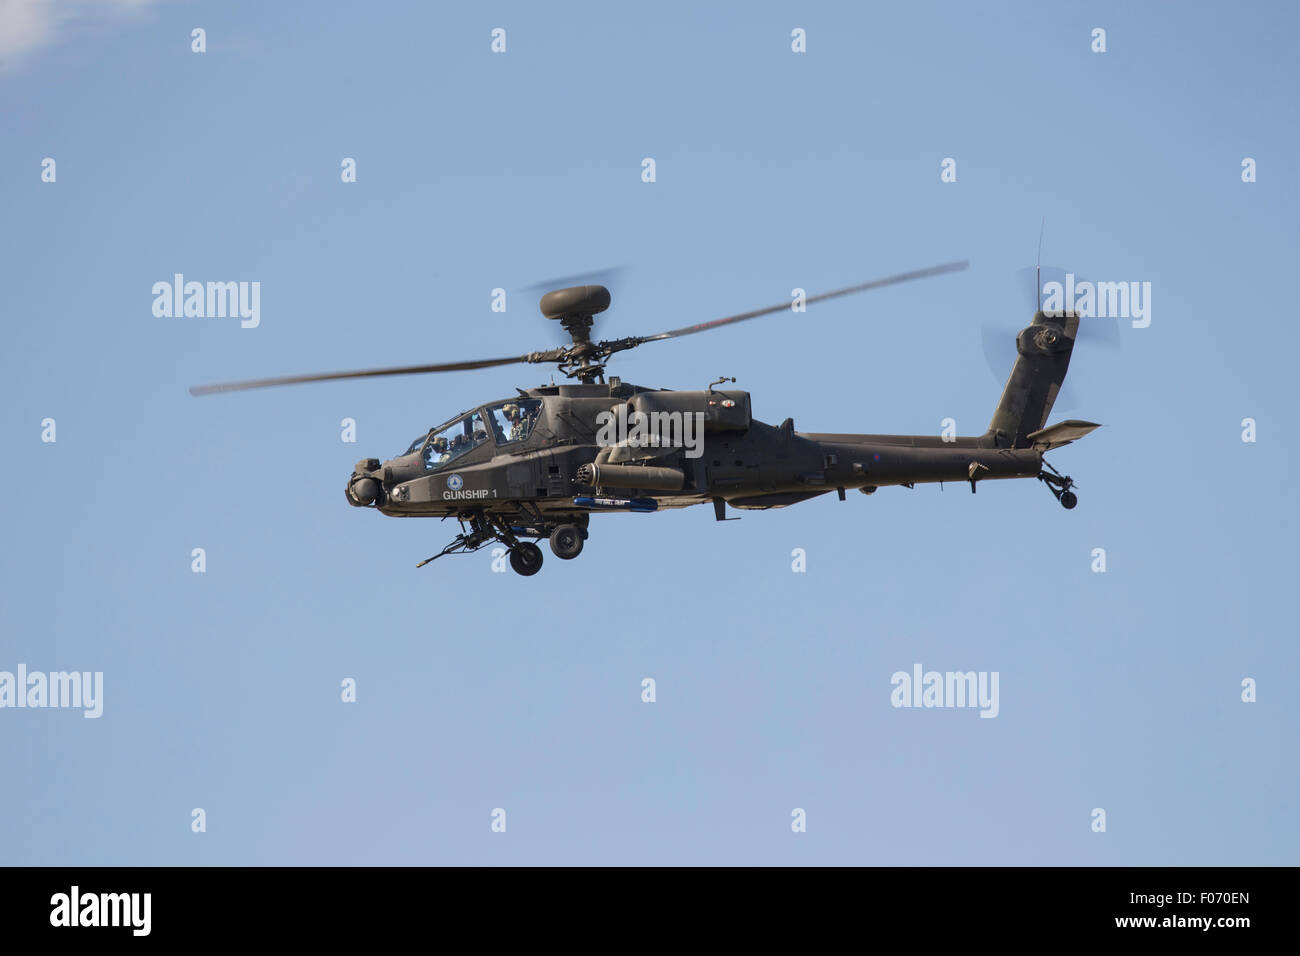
[[575, 309]]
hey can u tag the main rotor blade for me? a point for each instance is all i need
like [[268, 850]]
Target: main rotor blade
[[850, 290], [611, 276], [364, 373]]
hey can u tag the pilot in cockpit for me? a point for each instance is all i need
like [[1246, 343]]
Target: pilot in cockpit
[[437, 453], [518, 428]]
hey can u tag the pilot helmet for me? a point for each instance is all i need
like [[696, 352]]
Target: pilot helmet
[[511, 410]]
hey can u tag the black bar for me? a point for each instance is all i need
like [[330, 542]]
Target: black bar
[[977, 906]]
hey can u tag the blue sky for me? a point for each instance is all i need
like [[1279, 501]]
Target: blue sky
[[775, 170]]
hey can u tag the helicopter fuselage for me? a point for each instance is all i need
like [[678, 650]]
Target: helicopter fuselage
[[571, 463]]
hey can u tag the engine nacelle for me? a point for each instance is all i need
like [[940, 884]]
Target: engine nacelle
[[722, 411]]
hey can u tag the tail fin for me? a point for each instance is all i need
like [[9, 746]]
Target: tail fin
[[1044, 348]]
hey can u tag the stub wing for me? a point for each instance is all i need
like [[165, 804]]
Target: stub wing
[[1062, 433]]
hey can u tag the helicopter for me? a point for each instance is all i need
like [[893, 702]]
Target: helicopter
[[539, 464]]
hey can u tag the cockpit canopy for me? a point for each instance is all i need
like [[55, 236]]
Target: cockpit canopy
[[505, 423]]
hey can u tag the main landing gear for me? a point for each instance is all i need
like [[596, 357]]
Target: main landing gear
[[478, 530], [1059, 485], [526, 558], [566, 541], [566, 544]]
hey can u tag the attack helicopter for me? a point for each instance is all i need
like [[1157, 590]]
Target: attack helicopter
[[539, 464]]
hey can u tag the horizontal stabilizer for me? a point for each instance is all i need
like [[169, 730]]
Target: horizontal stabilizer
[[1062, 433]]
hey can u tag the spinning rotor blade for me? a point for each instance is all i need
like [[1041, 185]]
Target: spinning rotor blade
[[610, 277], [999, 349], [364, 373], [1093, 329], [999, 338], [582, 359], [850, 290]]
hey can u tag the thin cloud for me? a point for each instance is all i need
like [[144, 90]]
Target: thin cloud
[[28, 25]]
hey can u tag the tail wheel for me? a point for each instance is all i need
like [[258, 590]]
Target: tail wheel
[[1069, 499], [566, 542], [526, 558]]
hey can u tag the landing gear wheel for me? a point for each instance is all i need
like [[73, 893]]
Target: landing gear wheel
[[566, 542], [1059, 485], [526, 558]]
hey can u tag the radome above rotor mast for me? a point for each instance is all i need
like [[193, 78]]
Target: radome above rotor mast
[[540, 463]]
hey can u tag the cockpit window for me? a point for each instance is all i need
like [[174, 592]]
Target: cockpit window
[[513, 421], [450, 442]]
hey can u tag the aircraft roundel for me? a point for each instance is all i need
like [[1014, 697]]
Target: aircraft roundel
[[454, 482]]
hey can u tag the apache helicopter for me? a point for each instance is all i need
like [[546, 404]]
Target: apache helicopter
[[539, 464]]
